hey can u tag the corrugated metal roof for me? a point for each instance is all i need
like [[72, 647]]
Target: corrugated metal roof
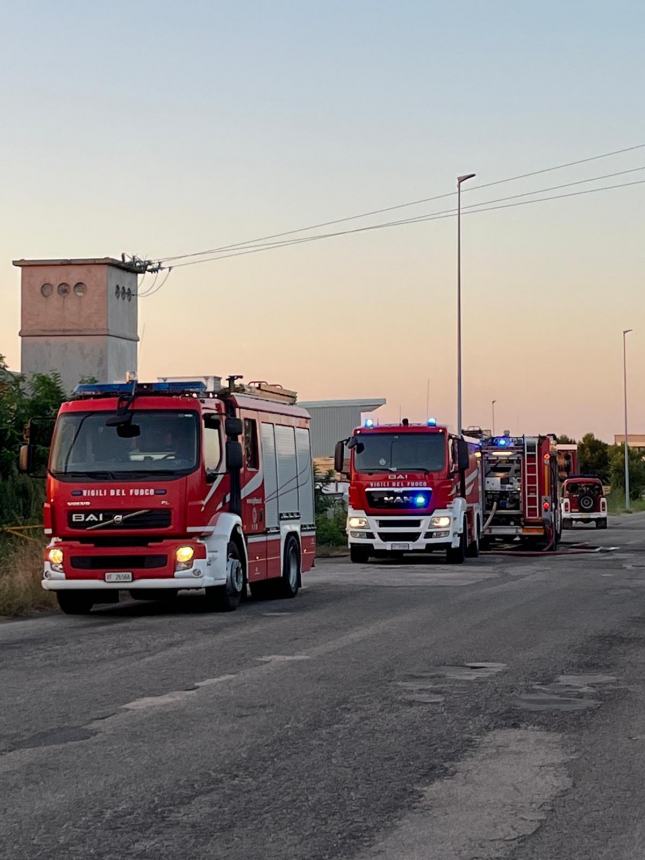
[[332, 420], [366, 404]]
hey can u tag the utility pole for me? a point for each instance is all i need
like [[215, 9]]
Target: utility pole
[[492, 406], [627, 499], [460, 179]]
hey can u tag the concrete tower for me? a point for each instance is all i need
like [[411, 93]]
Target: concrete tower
[[79, 317]]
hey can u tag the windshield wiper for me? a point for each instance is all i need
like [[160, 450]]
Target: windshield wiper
[[99, 474], [408, 469]]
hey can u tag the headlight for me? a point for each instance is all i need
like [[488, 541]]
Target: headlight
[[440, 522], [184, 554], [357, 523], [55, 556]]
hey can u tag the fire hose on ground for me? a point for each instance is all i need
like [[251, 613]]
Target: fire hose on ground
[[532, 553]]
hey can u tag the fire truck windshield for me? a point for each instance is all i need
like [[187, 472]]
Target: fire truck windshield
[[375, 452], [156, 443]]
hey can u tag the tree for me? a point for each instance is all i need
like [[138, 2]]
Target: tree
[[636, 471], [565, 440], [593, 456], [21, 400]]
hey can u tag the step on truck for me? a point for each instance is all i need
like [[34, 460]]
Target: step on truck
[[161, 488], [412, 488], [521, 490]]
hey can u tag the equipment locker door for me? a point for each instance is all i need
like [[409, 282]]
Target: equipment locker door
[[271, 516]]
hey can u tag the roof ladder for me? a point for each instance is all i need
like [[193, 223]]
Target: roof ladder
[[531, 479]]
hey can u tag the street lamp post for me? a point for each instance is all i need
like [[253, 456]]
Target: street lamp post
[[492, 406], [460, 179], [627, 500]]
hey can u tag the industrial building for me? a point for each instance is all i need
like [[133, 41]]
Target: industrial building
[[79, 317], [332, 420]]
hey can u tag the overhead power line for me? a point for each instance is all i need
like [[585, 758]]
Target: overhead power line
[[472, 209], [406, 204]]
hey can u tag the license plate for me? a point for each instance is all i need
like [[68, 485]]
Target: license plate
[[119, 576], [400, 546]]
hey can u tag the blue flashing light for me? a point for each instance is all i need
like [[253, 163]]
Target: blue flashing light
[[420, 501], [96, 389], [432, 422], [122, 389], [369, 422]]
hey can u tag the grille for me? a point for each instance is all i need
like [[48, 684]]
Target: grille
[[99, 521], [399, 537], [399, 524], [397, 499], [118, 562]]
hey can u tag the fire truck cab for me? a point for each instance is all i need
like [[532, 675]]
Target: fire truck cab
[[412, 488], [157, 488], [521, 490]]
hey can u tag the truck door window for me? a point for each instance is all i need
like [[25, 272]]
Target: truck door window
[[212, 443], [251, 455]]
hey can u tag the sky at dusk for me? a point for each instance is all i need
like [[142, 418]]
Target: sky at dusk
[[161, 128]]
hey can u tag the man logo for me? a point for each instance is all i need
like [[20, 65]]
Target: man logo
[[118, 519]]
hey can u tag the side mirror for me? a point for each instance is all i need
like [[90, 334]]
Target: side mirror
[[25, 458], [339, 457], [233, 427], [463, 455], [234, 457]]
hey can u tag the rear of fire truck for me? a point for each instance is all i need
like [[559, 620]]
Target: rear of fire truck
[[521, 490], [412, 488]]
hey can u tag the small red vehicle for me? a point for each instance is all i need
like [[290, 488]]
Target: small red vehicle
[[583, 501]]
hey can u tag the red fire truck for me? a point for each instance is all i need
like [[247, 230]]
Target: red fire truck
[[412, 488], [157, 488], [521, 489]]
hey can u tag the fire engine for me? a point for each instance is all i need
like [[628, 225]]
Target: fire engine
[[412, 488], [521, 489], [157, 488]]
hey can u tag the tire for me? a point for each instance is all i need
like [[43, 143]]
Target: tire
[[458, 555], [601, 524], [359, 554], [75, 602], [226, 598], [586, 503], [473, 546], [289, 583]]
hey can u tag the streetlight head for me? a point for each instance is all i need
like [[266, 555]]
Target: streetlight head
[[464, 177], [627, 330]]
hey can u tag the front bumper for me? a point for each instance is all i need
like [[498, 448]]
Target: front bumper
[[396, 533], [79, 570]]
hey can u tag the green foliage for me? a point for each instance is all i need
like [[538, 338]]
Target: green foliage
[[565, 440], [636, 471], [593, 457], [21, 400], [331, 514]]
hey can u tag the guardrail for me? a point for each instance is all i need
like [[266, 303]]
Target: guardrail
[[18, 531]]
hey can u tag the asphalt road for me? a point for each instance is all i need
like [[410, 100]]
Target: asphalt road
[[494, 710]]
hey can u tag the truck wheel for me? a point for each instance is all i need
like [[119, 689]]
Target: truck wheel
[[226, 598], [75, 602], [473, 546], [458, 555], [359, 554], [289, 582], [601, 524]]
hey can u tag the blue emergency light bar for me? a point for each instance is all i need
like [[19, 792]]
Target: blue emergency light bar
[[125, 389]]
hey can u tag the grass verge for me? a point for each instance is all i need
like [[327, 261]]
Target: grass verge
[[21, 564], [616, 503]]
